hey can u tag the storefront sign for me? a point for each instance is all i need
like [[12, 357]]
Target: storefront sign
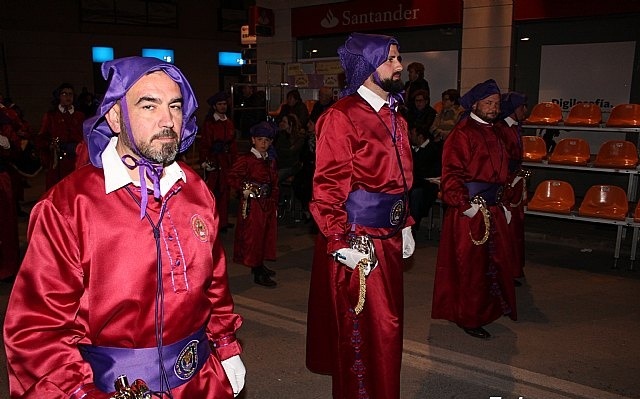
[[370, 15]]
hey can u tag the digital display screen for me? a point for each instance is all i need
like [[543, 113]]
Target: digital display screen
[[102, 54], [226, 58], [159, 53]]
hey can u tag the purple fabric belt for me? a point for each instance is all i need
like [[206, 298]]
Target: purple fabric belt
[[375, 209], [490, 192], [182, 360]]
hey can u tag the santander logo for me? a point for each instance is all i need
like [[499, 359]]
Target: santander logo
[[329, 21]]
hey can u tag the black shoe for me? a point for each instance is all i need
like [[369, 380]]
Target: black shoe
[[269, 272], [517, 283], [477, 332], [260, 277]]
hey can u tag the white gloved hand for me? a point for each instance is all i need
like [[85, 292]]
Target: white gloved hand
[[515, 181], [4, 142], [408, 243], [507, 214], [350, 257], [246, 193], [471, 212], [234, 368]]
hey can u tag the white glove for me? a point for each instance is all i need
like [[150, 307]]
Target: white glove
[[350, 257], [4, 142], [471, 212], [507, 214], [408, 243], [234, 368], [515, 181]]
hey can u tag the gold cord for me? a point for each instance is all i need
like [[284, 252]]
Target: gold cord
[[363, 285], [487, 221]]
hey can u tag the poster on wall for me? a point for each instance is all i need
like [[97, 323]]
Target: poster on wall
[[596, 72]]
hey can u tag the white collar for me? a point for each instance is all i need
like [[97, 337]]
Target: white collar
[[477, 118], [218, 117], [71, 109], [116, 174], [510, 121], [257, 153], [372, 98]]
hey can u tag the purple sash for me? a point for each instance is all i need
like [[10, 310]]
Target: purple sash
[[182, 360], [375, 209], [490, 192]]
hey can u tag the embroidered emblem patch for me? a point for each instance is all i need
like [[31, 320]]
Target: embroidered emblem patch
[[397, 210], [187, 361], [199, 228]]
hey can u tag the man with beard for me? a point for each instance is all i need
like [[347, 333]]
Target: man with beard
[[473, 283], [125, 273], [360, 187]]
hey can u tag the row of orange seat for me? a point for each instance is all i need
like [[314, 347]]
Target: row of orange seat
[[576, 151], [584, 114], [600, 201]]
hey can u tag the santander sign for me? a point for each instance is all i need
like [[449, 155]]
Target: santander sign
[[369, 15]]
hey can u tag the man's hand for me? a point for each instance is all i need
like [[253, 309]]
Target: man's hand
[[4, 142], [234, 368], [350, 258], [408, 243]]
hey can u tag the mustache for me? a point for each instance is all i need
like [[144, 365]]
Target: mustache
[[167, 133]]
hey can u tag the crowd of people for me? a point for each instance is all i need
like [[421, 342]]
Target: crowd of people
[[366, 168]]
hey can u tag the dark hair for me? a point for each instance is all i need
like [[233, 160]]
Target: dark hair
[[422, 93], [295, 94], [453, 94], [418, 67]]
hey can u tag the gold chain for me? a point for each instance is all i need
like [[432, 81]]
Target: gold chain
[[487, 221], [363, 285]]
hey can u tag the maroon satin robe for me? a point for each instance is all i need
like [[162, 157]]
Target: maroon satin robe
[[515, 196], [89, 277], [354, 150], [218, 147], [473, 283], [255, 235], [67, 128], [9, 243]]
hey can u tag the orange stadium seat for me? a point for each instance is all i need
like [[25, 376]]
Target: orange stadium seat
[[584, 114], [554, 196], [617, 154], [571, 151], [534, 149], [624, 115], [546, 113], [605, 201]]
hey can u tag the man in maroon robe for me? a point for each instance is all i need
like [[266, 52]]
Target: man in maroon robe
[[60, 133], [473, 283], [360, 188], [514, 110], [218, 151], [118, 279]]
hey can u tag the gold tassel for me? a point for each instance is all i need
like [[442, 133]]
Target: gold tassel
[[363, 285]]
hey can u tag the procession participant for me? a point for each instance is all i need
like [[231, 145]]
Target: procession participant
[[124, 272], [59, 135], [218, 150], [255, 177], [513, 108], [360, 191], [473, 283]]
